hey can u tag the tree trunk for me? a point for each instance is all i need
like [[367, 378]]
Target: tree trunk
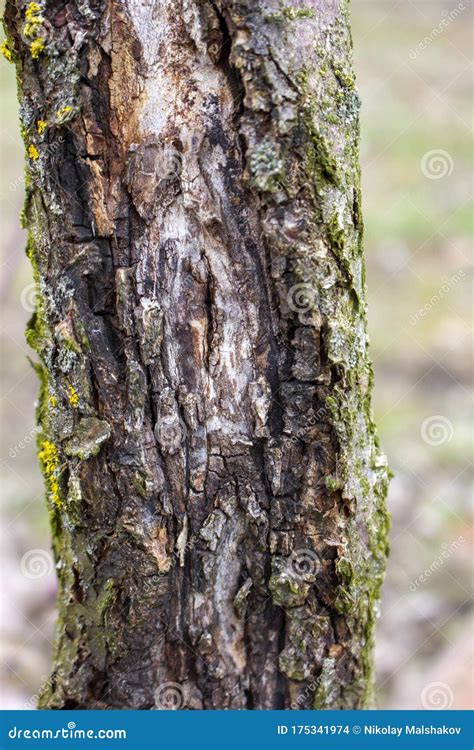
[[214, 483]]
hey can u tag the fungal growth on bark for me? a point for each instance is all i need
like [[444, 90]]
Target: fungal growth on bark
[[213, 478]]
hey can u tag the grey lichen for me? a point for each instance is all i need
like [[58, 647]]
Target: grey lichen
[[328, 686], [88, 438], [149, 320], [241, 598], [266, 166]]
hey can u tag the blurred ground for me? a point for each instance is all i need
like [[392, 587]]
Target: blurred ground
[[413, 64]]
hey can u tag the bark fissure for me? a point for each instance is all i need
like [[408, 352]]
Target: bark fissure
[[217, 500]]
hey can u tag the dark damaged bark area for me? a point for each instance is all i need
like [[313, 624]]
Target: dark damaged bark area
[[213, 478]]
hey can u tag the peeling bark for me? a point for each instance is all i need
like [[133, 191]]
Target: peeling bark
[[214, 482]]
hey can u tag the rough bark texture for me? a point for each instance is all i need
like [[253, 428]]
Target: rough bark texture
[[214, 483]]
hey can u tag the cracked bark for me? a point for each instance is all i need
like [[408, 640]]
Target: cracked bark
[[214, 482]]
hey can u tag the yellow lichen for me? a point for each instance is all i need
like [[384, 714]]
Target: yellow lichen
[[6, 51], [32, 28], [62, 112], [41, 126], [49, 457], [73, 397], [53, 401], [31, 13], [33, 152], [37, 48]]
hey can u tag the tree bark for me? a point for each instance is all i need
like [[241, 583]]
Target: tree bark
[[214, 481]]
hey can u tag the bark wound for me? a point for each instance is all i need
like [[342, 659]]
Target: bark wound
[[219, 515]]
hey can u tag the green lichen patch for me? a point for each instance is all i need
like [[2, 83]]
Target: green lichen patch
[[294, 14], [286, 589], [290, 13]]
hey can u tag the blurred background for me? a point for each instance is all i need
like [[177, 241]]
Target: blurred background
[[413, 62]]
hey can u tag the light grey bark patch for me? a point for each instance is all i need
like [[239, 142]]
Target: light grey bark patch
[[88, 438]]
